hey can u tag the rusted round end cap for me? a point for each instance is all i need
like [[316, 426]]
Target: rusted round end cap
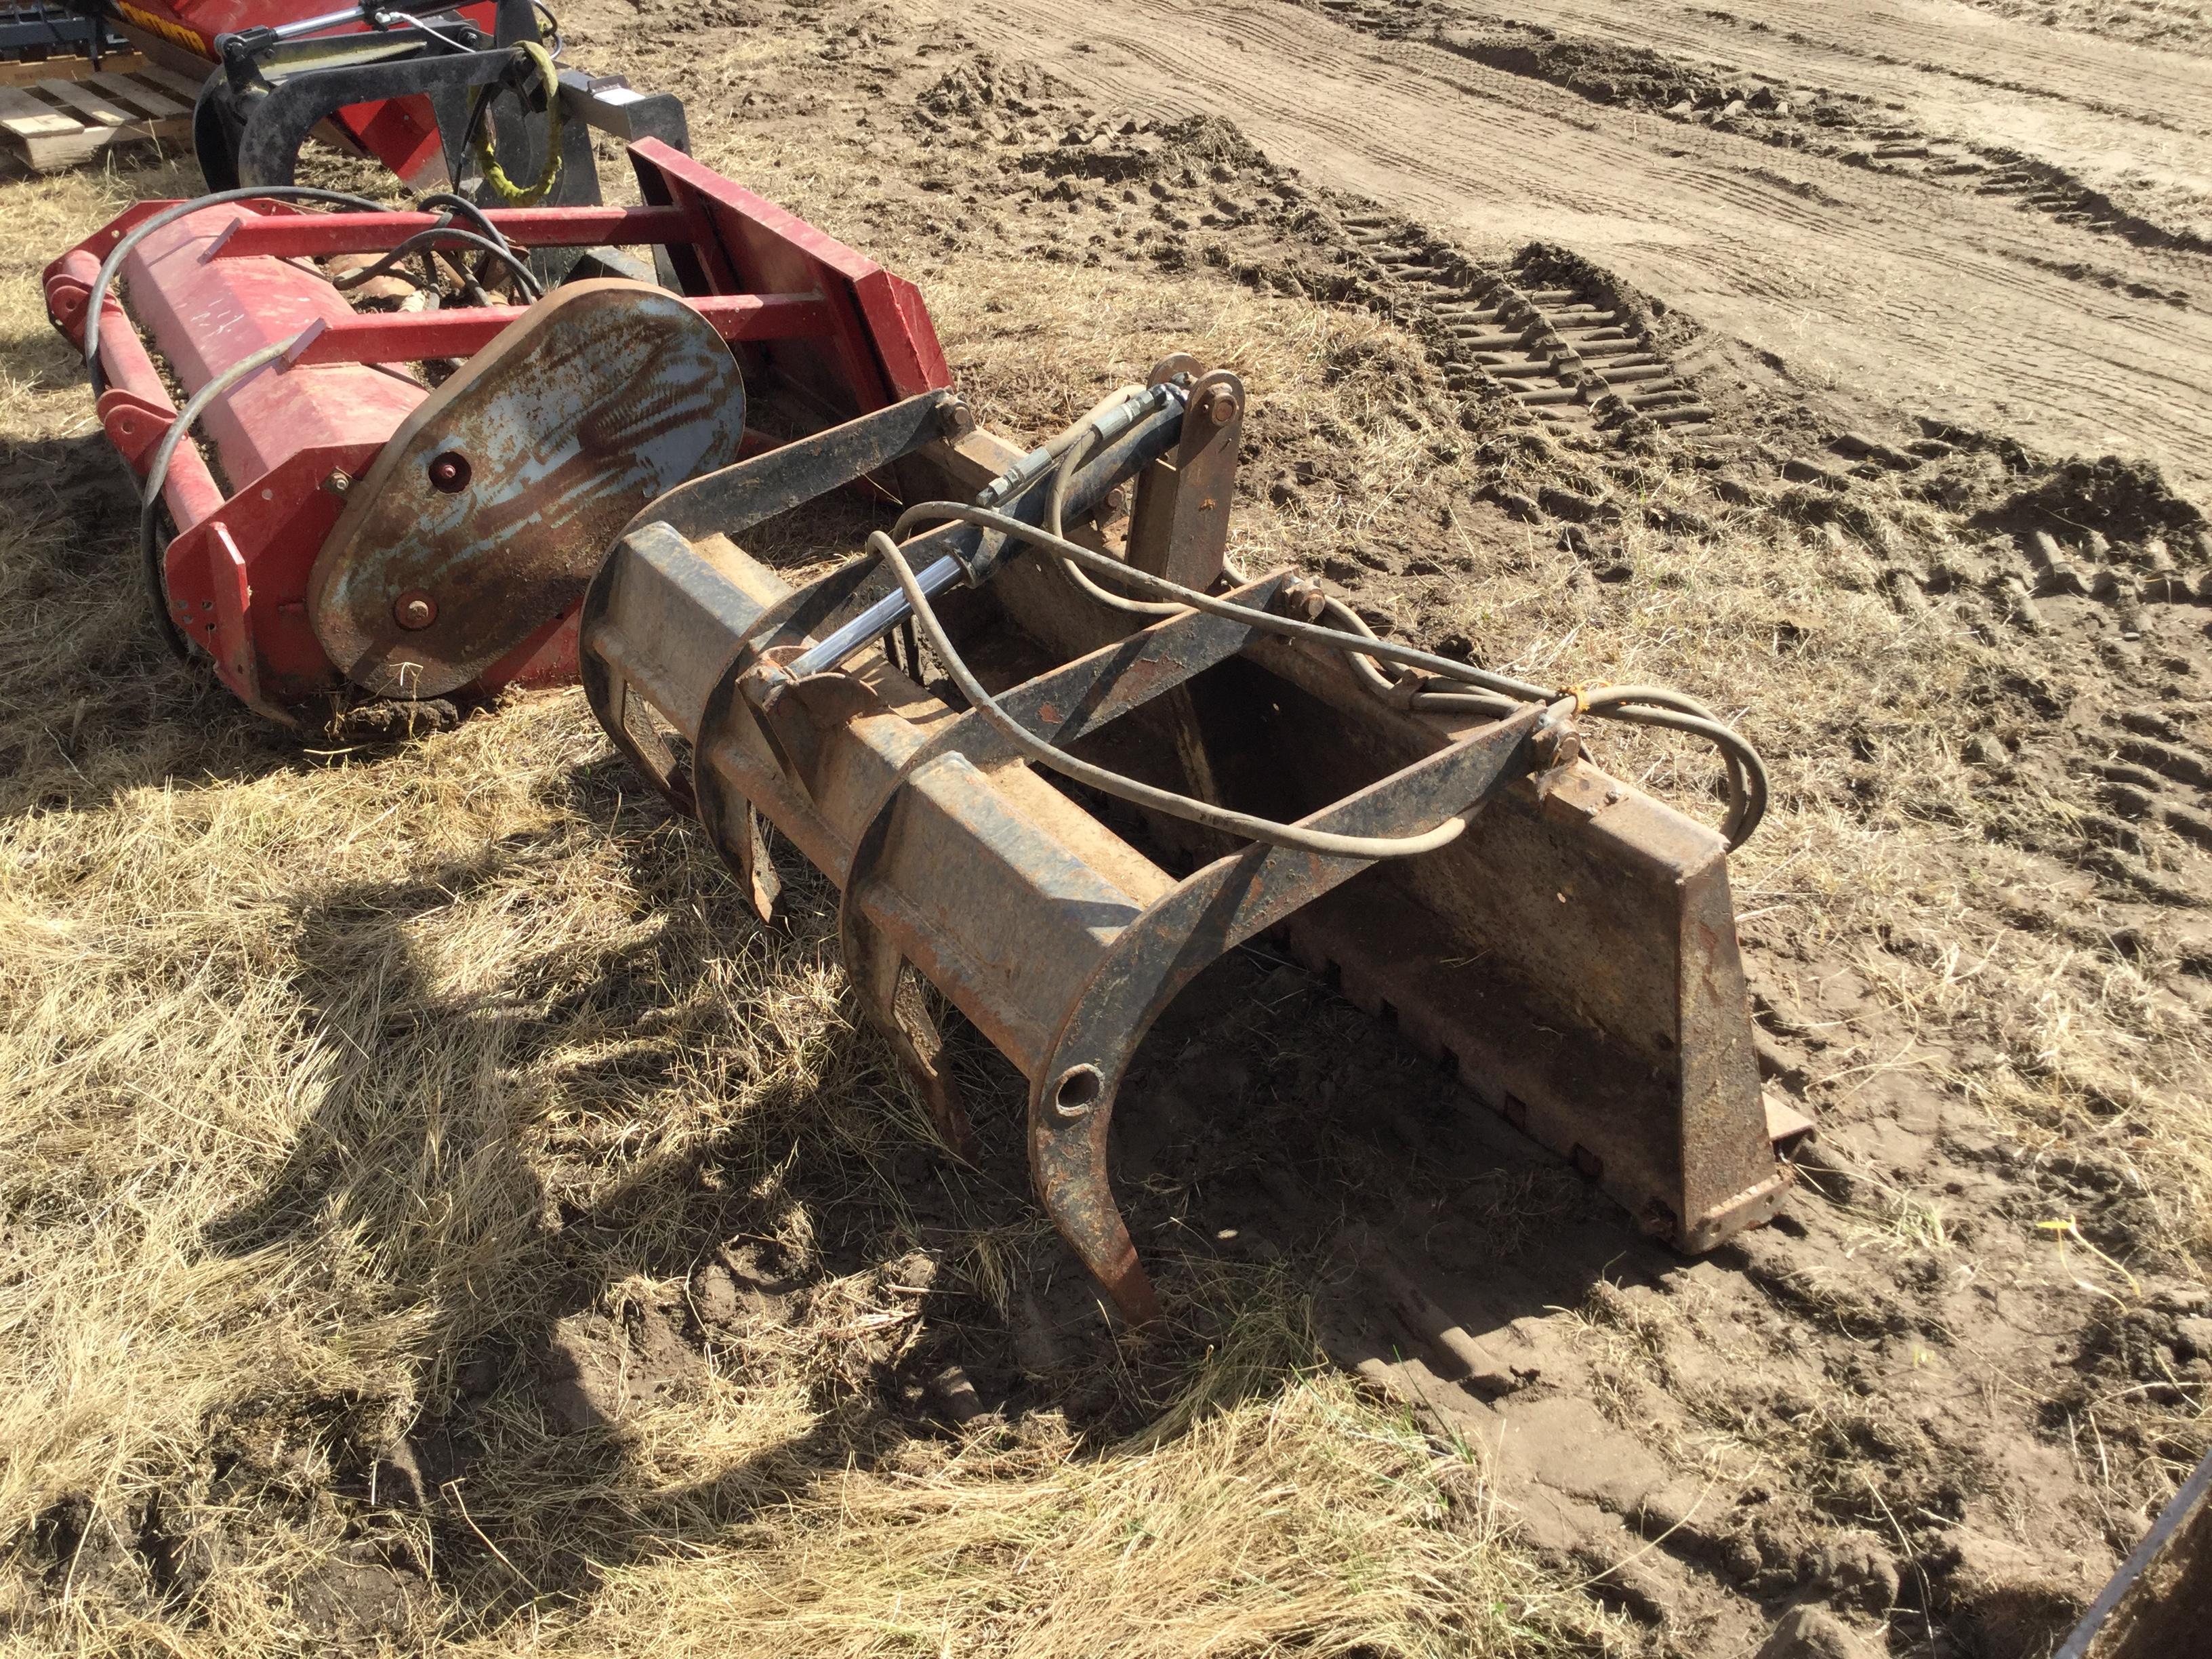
[[497, 498]]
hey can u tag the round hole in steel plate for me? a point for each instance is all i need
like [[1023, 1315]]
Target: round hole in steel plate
[[1078, 1091]]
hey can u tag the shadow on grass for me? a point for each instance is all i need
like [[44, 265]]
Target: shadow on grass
[[93, 705], [1270, 1137]]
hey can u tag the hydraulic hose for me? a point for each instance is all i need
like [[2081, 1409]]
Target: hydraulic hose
[[1130, 789], [445, 236], [1191, 598], [169, 215], [1493, 694], [157, 473], [149, 551], [1080, 438]]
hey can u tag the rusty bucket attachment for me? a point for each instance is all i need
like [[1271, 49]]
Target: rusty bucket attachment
[[1570, 951]]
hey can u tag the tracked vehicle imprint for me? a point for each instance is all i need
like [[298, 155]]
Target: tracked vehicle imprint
[[1563, 354], [1573, 355], [1809, 120]]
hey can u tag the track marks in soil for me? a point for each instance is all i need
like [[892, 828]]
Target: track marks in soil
[[1561, 342], [2173, 25], [1567, 354], [1897, 1501], [1552, 342], [1887, 289], [1856, 129]]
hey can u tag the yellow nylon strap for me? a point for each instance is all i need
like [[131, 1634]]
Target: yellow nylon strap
[[496, 180]]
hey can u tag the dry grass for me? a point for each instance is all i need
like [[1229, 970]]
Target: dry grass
[[1300, 1523]]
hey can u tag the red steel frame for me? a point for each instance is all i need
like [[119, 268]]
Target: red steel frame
[[850, 336]]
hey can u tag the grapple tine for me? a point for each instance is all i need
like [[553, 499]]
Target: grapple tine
[[755, 868], [1067, 1163], [890, 996]]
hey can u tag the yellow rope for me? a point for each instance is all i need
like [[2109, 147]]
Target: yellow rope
[[549, 174]]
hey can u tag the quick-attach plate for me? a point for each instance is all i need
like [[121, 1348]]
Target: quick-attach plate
[[485, 515]]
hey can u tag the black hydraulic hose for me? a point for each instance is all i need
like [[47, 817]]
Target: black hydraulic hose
[[554, 43], [468, 209], [157, 474], [169, 215], [440, 235], [461, 204]]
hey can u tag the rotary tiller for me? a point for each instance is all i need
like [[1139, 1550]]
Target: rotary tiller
[[408, 504]]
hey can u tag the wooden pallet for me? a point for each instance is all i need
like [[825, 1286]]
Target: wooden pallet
[[59, 113]]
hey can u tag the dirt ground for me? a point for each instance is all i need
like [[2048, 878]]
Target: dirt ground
[[438, 1216]]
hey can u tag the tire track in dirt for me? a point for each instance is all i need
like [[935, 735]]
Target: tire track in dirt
[[1890, 290], [1910, 48], [2171, 26], [1797, 97], [2052, 566]]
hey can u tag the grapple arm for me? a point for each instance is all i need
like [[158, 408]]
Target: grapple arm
[[1572, 955]]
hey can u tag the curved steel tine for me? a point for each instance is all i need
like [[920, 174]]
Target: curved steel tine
[[890, 995], [755, 867], [1068, 1162]]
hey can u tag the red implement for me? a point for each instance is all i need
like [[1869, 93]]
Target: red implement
[[371, 538]]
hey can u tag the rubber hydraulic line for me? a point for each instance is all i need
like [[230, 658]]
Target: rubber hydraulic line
[[1747, 774]]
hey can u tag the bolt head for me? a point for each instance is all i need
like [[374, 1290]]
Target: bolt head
[[955, 420], [1221, 405], [449, 472], [1304, 598], [416, 609]]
